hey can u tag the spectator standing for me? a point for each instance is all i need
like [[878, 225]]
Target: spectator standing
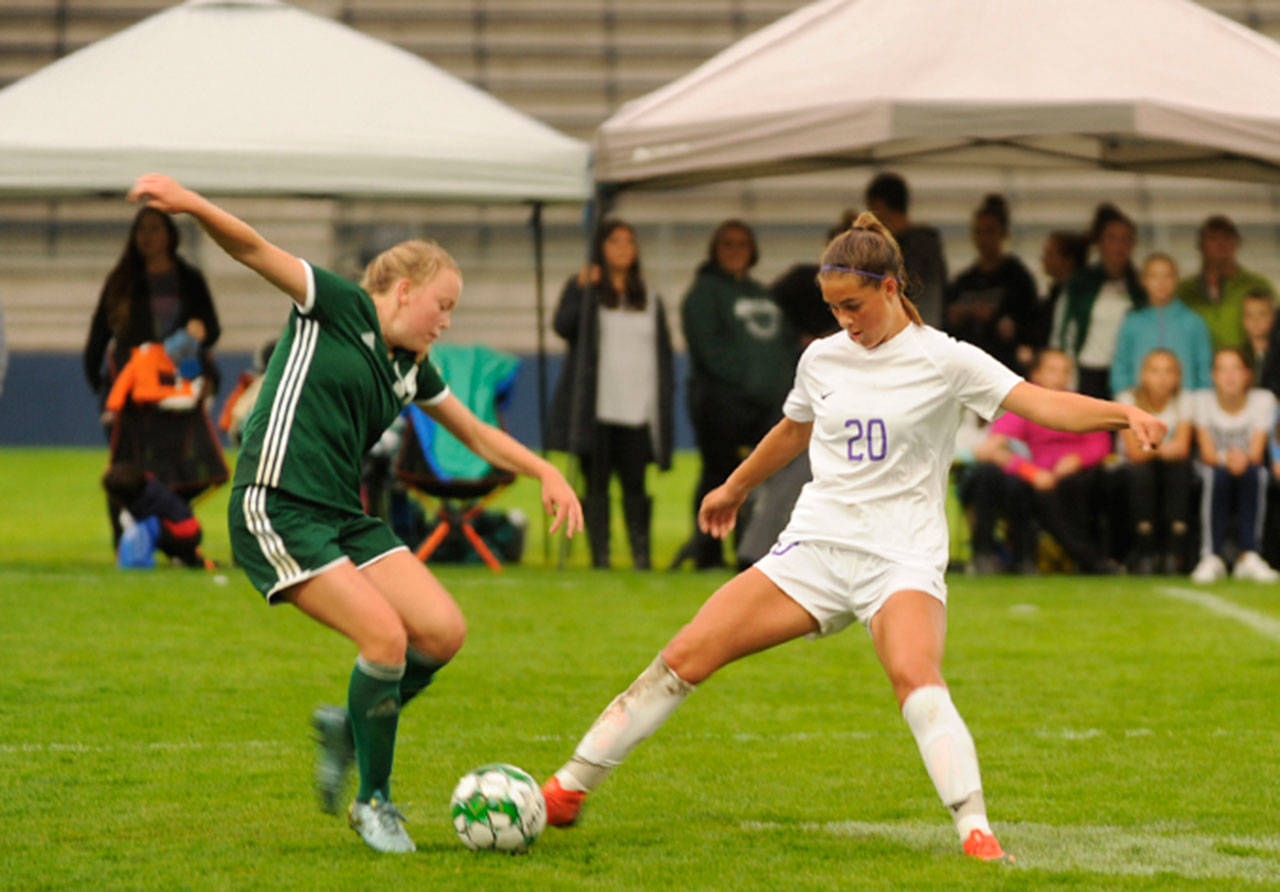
[[1097, 298], [1158, 481], [613, 405], [742, 357], [1233, 424], [992, 303], [1167, 324], [1054, 475], [1217, 291], [150, 294], [887, 197]]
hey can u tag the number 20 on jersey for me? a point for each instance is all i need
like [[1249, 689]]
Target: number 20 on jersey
[[868, 440]]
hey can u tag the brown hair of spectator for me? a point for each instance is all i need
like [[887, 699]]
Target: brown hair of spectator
[[635, 296], [1218, 223], [129, 270], [1043, 353], [1141, 398], [1103, 216], [995, 207], [1073, 245], [124, 482], [725, 226], [891, 189]]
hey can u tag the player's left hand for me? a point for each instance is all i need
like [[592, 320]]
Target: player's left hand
[[1149, 430], [561, 502], [161, 192]]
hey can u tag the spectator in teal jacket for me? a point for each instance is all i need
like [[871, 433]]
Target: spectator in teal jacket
[[1166, 324]]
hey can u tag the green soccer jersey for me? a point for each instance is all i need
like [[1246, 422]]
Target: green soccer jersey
[[332, 387]]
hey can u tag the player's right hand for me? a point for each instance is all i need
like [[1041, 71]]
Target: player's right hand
[[718, 513]]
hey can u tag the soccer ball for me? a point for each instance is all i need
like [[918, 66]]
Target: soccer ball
[[498, 807]]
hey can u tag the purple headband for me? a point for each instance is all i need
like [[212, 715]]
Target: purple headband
[[836, 268]]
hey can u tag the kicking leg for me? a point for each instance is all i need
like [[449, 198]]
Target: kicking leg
[[747, 614], [909, 632]]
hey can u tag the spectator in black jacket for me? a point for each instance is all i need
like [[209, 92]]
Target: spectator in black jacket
[[992, 303]]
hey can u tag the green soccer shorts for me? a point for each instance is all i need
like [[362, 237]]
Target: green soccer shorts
[[281, 540]]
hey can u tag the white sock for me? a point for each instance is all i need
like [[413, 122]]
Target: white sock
[[949, 756], [632, 716]]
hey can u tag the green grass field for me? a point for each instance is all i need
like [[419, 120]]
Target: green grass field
[[153, 728]]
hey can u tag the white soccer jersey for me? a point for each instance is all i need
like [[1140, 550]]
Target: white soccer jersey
[[884, 428], [1228, 430]]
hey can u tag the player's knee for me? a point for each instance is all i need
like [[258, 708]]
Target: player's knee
[[907, 677], [385, 642], [443, 640], [450, 638], [689, 662]]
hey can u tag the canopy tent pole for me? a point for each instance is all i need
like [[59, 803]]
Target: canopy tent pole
[[540, 313]]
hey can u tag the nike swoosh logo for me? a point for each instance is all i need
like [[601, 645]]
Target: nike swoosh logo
[[825, 395]]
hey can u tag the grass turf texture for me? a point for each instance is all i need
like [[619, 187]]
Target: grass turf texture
[[153, 728]]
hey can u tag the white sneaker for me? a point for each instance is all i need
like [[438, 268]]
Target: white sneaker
[[1251, 566], [379, 825], [1210, 569]]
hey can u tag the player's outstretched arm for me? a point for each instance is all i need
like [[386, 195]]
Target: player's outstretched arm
[[718, 512], [1066, 411], [232, 234], [502, 450]]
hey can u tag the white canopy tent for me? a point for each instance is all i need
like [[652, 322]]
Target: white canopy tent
[[255, 97], [1148, 86], [258, 97]]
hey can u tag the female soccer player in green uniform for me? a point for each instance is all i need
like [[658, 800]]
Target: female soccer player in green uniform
[[349, 360]]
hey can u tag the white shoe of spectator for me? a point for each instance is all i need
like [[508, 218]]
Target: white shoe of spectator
[[1210, 569], [1251, 566]]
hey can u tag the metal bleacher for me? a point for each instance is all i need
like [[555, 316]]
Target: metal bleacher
[[570, 63]]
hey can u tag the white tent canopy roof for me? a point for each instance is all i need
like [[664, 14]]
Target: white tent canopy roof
[[1156, 86], [254, 97]]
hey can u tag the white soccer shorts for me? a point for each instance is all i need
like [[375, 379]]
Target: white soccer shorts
[[838, 585]]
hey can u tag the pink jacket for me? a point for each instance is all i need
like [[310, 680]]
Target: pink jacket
[[1048, 446]]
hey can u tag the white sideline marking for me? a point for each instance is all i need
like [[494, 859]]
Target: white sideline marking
[[1142, 850], [153, 746], [1259, 622]]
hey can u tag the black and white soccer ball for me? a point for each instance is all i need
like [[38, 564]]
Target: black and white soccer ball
[[498, 808]]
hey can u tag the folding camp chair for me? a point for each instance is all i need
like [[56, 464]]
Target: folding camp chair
[[434, 463]]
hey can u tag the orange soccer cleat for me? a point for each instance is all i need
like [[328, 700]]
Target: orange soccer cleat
[[563, 805], [985, 847]]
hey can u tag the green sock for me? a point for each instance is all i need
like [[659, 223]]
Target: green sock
[[419, 670], [373, 701]]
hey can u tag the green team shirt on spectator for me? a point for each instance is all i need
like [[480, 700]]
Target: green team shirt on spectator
[[332, 387]]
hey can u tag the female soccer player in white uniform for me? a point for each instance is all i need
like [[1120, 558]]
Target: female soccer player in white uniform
[[350, 358], [877, 405]]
